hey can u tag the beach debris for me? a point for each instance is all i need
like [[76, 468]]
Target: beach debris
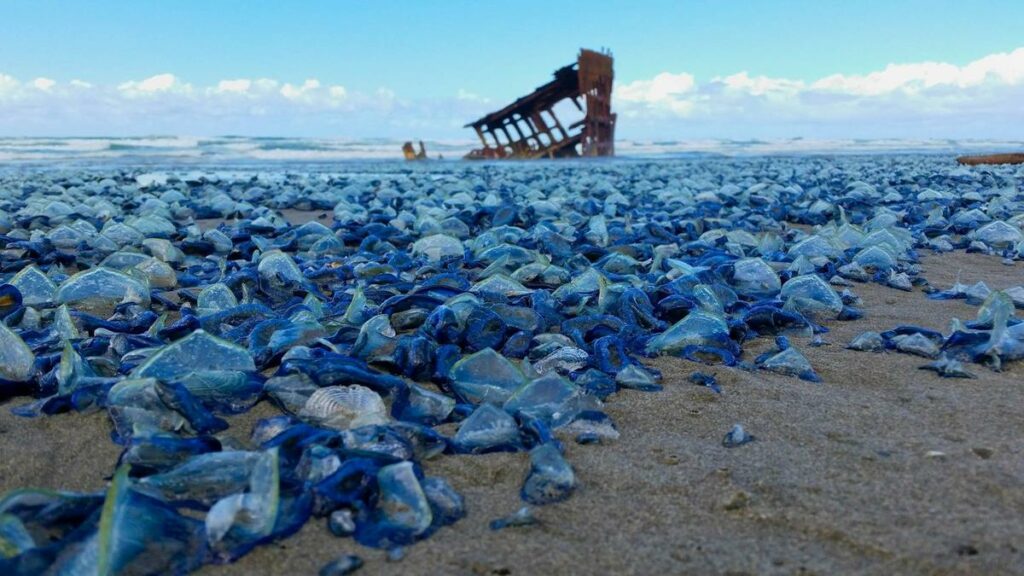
[[957, 291], [948, 368], [342, 523], [738, 500], [451, 309], [410, 153], [1007, 158], [982, 452], [706, 380], [344, 565], [737, 436], [522, 517]]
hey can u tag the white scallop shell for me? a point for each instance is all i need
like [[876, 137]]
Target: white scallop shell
[[345, 407]]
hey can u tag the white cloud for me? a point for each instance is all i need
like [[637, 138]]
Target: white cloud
[[159, 84], [240, 86], [995, 69], [468, 96], [167, 103], [760, 85], [44, 84], [664, 87], [925, 99], [265, 84], [8, 84], [665, 92], [307, 89], [337, 92]]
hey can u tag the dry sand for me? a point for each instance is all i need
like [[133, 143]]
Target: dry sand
[[839, 480]]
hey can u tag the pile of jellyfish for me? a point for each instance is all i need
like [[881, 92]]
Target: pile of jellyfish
[[434, 311]]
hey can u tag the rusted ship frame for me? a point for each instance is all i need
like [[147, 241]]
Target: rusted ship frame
[[528, 127], [1010, 158]]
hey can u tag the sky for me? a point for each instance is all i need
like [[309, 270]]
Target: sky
[[403, 69]]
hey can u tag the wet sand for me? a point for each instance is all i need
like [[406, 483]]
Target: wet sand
[[840, 479]]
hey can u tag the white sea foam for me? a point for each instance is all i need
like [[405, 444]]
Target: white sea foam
[[229, 150]]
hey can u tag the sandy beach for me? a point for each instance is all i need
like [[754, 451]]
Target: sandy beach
[[882, 468], [337, 287]]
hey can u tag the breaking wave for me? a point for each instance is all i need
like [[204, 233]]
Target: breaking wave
[[242, 150]]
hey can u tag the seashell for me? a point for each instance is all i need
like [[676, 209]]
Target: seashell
[[344, 407]]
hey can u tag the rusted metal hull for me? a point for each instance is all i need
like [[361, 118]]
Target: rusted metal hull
[[410, 152], [991, 159], [529, 129]]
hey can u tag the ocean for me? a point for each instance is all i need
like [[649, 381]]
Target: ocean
[[262, 151]]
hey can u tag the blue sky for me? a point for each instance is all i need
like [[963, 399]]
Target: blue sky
[[357, 69]]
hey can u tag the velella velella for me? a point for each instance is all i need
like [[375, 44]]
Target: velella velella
[[551, 478], [868, 342], [737, 436], [811, 296], [496, 310], [17, 362], [948, 368], [345, 565], [485, 377], [488, 428], [522, 517], [788, 362], [100, 289]]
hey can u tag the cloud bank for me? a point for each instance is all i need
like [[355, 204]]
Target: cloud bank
[[916, 100], [927, 99]]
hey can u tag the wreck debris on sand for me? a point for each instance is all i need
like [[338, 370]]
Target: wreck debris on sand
[[991, 159], [528, 127], [410, 153]]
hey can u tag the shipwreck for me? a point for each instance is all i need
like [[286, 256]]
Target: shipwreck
[[1008, 158], [529, 129]]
